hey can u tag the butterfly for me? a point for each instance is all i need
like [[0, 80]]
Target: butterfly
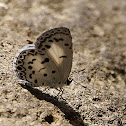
[[48, 61]]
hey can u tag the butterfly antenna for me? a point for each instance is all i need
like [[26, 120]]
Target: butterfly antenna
[[30, 42]]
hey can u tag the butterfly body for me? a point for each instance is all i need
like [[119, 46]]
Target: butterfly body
[[48, 61]]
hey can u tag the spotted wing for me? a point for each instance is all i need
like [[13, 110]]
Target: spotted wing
[[36, 67], [57, 44]]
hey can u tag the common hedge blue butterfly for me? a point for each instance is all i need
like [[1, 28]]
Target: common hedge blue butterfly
[[48, 61]]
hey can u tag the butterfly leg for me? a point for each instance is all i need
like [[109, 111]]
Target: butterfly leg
[[25, 85], [60, 93], [28, 84], [68, 81], [46, 89]]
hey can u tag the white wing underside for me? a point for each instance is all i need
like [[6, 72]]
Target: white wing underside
[[49, 61]]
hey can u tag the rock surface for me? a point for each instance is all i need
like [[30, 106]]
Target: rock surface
[[96, 97]]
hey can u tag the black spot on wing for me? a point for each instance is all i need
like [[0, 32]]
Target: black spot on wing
[[50, 40], [24, 53], [36, 81], [42, 62], [61, 39], [21, 75], [43, 48], [42, 83], [30, 62], [19, 68], [48, 34], [57, 40], [30, 76], [33, 72], [45, 74], [46, 59], [63, 57], [47, 46], [70, 48], [19, 62], [66, 44], [52, 31], [30, 67], [22, 56], [58, 30], [32, 51], [33, 59], [53, 71]]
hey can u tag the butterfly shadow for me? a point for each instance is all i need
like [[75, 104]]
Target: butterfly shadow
[[69, 113]]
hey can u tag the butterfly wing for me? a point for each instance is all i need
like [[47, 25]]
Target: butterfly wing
[[47, 62], [57, 44], [36, 67]]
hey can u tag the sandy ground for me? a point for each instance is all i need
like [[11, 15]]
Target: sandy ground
[[96, 97]]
